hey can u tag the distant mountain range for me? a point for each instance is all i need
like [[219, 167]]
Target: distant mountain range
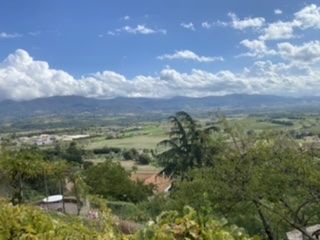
[[66, 105]]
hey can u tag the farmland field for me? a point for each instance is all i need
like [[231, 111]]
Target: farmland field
[[138, 142], [143, 138]]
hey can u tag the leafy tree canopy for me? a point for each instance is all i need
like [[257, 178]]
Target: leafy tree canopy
[[112, 181]]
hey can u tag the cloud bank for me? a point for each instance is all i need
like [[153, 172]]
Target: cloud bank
[[22, 78]]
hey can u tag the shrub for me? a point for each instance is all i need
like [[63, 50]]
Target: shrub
[[107, 150], [143, 159], [128, 211], [26, 222], [191, 225], [110, 180], [131, 154]]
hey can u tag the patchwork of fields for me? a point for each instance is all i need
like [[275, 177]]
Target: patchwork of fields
[[143, 136]]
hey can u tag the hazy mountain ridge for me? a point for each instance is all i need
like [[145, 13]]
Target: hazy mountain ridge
[[61, 105]]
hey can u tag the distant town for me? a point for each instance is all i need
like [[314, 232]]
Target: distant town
[[47, 139]]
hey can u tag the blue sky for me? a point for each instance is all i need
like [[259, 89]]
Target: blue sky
[[156, 48]]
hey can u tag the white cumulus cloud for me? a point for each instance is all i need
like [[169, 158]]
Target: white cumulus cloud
[[218, 23], [279, 30], [257, 48], [22, 77], [188, 26], [308, 17], [189, 55], [142, 29], [308, 53], [236, 23], [9, 35], [239, 24], [278, 11]]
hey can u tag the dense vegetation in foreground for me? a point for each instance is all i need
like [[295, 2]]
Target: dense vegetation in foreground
[[264, 182], [25, 222]]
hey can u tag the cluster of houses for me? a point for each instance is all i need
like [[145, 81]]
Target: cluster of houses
[[47, 139], [43, 139]]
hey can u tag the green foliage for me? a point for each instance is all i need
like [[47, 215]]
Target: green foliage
[[154, 206], [107, 150], [262, 181], [192, 225], [140, 158], [282, 122], [128, 211], [188, 146], [192, 192], [110, 180], [80, 188], [131, 154], [73, 153], [25, 222], [144, 159], [18, 167], [268, 185]]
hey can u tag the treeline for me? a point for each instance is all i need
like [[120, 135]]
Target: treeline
[[282, 122], [142, 157]]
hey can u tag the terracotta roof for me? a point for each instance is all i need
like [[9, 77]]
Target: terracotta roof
[[162, 183]]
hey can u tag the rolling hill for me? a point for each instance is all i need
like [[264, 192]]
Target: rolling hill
[[66, 105]]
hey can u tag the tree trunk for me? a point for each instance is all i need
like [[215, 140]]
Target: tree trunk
[[266, 225], [18, 193], [62, 193], [78, 199], [78, 206], [294, 225], [45, 186]]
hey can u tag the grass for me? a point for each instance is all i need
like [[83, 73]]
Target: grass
[[261, 124], [138, 142], [145, 138]]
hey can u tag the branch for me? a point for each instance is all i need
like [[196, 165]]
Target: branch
[[305, 233]]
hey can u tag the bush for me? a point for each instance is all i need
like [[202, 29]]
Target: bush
[[127, 211], [73, 153], [110, 180], [153, 207], [87, 164], [107, 150], [191, 225], [143, 159], [131, 154], [26, 222]]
